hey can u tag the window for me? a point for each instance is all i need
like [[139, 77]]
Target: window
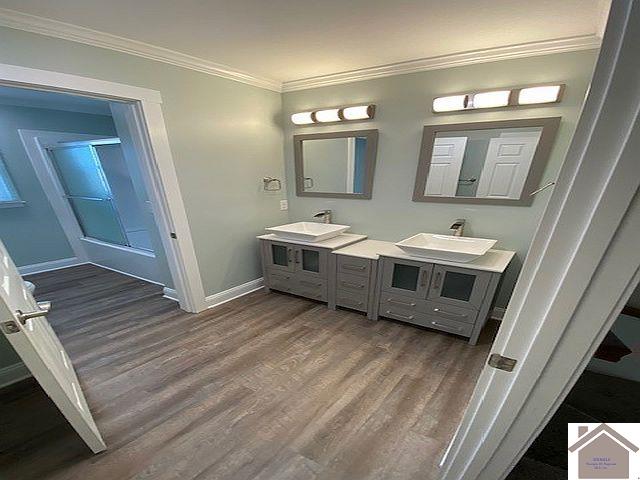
[[8, 194]]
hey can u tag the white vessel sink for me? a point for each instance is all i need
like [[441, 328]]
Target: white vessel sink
[[308, 231], [446, 247]]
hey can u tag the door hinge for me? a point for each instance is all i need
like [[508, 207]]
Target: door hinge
[[9, 327], [173, 235], [502, 363]]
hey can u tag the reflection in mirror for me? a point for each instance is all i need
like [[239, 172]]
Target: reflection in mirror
[[495, 161], [336, 164], [482, 163]]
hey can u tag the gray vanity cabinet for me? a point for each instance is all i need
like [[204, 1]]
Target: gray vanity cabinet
[[307, 270], [448, 298]]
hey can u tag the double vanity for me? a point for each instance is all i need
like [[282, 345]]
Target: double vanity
[[443, 282]]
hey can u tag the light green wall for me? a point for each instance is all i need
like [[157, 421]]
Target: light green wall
[[224, 135], [17, 225], [403, 108]]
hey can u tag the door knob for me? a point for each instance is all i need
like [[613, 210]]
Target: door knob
[[43, 309]]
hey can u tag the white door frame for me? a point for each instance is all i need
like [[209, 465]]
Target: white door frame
[[156, 162], [582, 266]]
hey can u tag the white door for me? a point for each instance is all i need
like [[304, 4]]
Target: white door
[[446, 162], [39, 348], [506, 167]]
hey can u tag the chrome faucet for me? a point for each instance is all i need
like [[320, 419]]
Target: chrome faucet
[[458, 227], [325, 215]]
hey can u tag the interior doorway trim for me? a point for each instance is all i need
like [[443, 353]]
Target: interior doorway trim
[[144, 113]]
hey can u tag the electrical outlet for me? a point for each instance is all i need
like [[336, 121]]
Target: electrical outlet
[[284, 205]]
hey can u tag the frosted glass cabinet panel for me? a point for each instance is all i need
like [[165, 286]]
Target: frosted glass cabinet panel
[[458, 286], [280, 256], [311, 261], [406, 277]]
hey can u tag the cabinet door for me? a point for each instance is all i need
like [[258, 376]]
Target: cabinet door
[[406, 277], [459, 286], [311, 261], [280, 256]]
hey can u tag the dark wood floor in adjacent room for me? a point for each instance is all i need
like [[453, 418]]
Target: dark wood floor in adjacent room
[[267, 386]]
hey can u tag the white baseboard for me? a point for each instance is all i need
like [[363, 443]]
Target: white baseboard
[[498, 313], [48, 266], [124, 273], [13, 373], [170, 293], [234, 292]]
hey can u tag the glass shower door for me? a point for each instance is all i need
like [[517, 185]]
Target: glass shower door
[[87, 190]]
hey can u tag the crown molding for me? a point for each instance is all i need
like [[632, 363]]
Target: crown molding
[[54, 28], [569, 44]]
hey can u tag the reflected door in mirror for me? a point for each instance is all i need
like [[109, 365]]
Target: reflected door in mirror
[[446, 163], [506, 167]]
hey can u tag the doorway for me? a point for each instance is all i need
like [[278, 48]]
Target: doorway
[[138, 111]]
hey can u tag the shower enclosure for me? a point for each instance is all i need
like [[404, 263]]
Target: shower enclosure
[[99, 188]]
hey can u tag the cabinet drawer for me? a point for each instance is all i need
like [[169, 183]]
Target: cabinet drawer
[[352, 283], [425, 320], [280, 280], [349, 299], [445, 311], [394, 301], [353, 265], [310, 287], [446, 325]]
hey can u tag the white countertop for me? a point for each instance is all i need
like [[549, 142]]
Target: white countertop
[[492, 261], [339, 241]]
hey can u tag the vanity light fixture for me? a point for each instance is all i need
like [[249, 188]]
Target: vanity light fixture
[[511, 97], [330, 115]]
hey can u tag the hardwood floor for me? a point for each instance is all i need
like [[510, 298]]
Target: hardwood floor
[[267, 386]]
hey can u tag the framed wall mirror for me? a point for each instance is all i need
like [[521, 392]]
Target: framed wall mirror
[[335, 164], [498, 163]]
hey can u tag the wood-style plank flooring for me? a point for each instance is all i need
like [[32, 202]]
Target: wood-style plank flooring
[[268, 386]]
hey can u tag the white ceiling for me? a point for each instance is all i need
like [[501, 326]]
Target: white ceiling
[[24, 97], [288, 40]]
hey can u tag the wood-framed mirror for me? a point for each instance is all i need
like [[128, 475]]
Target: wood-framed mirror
[[335, 164], [498, 163]]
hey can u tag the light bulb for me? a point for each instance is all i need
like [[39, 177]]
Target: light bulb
[[302, 118], [449, 104], [356, 113], [546, 94], [330, 115], [498, 98]]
